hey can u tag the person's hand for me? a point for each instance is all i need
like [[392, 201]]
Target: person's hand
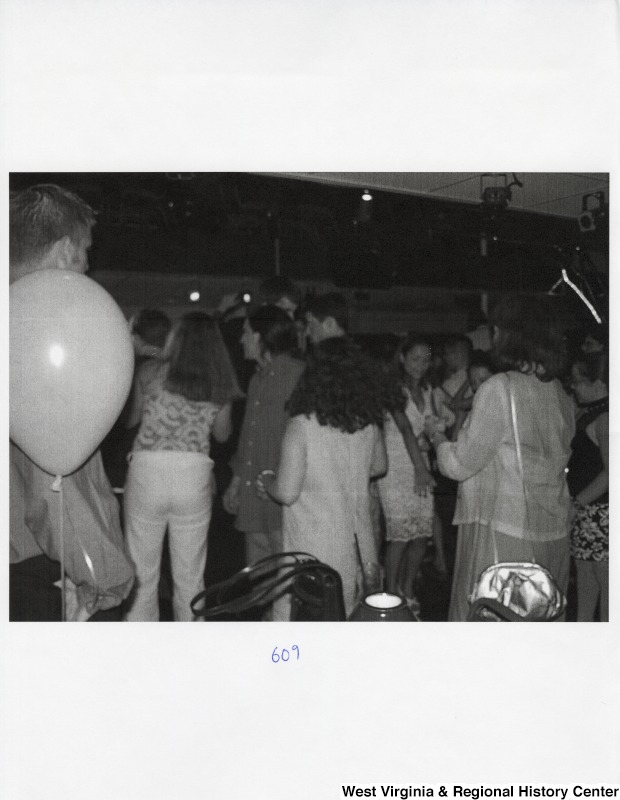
[[261, 491], [574, 508], [433, 424], [226, 303], [372, 578], [424, 481], [230, 499], [423, 443], [74, 610]]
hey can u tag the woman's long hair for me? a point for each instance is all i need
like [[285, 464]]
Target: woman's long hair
[[529, 336], [199, 367], [345, 388]]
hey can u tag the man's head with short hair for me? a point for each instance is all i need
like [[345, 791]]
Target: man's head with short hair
[[326, 316], [50, 228], [149, 327], [282, 292]]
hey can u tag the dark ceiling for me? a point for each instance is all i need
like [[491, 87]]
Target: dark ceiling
[[241, 223]]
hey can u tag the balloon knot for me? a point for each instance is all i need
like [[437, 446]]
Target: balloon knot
[[56, 484]]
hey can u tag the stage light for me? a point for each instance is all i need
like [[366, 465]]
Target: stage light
[[592, 216], [246, 297], [366, 195], [587, 221], [194, 296], [497, 192]]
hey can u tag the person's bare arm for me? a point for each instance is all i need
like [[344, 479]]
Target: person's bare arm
[[379, 463], [222, 424], [285, 487]]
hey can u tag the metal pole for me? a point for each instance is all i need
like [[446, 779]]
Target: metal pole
[[276, 246]]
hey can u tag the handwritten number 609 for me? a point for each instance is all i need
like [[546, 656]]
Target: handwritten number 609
[[284, 655]]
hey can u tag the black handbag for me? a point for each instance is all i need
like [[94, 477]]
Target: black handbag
[[317, 595], [315, 588]]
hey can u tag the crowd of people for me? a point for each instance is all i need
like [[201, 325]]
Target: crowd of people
[[364, 462]]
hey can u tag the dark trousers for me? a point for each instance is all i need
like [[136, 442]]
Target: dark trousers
[[34, 598]]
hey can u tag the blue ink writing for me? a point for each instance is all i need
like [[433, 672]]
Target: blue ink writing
[[284, 654]]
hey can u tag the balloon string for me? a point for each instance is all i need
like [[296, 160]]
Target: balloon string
[[57, 487], [91, 569]]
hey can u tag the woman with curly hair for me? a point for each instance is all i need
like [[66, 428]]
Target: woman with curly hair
[[505, 512], [169, 482], [332, 446], [588, 482]]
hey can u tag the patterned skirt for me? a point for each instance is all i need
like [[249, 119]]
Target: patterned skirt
[[590, 533], [407, 515]]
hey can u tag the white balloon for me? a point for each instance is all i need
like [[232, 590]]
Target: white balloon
[[71, 365]]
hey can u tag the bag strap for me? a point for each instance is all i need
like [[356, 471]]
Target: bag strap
[[276, 579], [498, 612], [515, 429]]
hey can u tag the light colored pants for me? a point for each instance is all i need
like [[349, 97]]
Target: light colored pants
[[167, 489]]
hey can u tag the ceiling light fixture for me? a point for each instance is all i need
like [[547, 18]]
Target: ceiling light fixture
[[364, 211]]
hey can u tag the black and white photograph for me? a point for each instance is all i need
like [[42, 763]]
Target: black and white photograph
[[309, 318], [326, 396]]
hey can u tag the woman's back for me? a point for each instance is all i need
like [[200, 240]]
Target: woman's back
[[171, 422], [486, 454], [333, 507]]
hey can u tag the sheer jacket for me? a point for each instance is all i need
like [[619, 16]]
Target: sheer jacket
[[484, 458]]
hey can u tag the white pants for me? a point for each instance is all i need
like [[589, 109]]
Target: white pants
[[167, 489]]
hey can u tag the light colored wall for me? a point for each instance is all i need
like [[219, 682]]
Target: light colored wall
[[395, 310]]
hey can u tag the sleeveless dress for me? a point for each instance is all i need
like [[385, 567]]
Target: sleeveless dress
[[333, 507], [407, 514], [590, 527]]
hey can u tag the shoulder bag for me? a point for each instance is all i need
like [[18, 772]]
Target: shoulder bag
[[516, 591]]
